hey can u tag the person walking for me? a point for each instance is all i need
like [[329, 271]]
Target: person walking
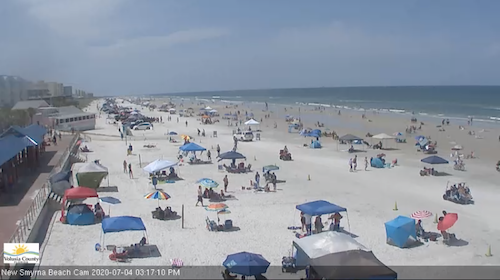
[[209, 155], [200, 197], [125, 166], [350, 165], [226, 183], [218, 149], [130, 173], [366, 163], [355, 162], [257, 178]]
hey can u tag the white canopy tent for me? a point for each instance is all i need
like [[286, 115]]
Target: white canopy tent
[[213, 111], [159, 165], [208, 108], [383, 136], [252, 122], [322, 244]]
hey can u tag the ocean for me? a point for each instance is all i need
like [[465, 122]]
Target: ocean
[[454, 102]]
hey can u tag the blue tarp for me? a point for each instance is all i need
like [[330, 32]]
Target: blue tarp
[[192, 147], [122, 223], [231, 155], [247, 264], [319, 207], [377, 163], [400, 231], [434, 160], [315, 145], [10, 146]]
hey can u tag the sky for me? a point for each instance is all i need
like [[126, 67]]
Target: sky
[[131, 47]]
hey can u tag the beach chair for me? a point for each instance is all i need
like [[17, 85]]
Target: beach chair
[[211, 225], [228, 224]]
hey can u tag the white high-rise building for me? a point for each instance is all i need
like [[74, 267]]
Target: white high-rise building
[[12, 90], [55, 89]]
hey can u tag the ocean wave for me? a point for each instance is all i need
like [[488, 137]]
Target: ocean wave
[[22, 254]]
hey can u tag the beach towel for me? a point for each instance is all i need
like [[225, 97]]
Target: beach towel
[[177, 263]]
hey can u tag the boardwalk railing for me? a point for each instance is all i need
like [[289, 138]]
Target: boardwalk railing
[[24, 226]]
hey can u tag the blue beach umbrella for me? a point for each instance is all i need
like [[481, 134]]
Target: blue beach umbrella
[[207, 183], [246, 263]]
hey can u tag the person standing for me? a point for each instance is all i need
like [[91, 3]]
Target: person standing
[[154, 181], [209, 155], [355, 162], [200, 196], [125, 166], [257, 178], [274, 180], [226, 183], [350, 165], [366, 163], [308, 219], [218, 149], [130, 173]]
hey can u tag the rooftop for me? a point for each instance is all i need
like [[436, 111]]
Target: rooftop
[[35, 104]]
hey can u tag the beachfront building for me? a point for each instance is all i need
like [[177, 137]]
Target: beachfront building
[[20, 150], [66, 118]]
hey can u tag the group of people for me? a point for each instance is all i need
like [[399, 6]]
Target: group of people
[[306, 223], [458, 191], [353, 163]]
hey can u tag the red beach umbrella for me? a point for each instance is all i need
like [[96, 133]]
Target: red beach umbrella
[[448, 221]]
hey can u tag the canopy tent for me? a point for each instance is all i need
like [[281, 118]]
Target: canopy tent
[[231, 155], [252, 122], [383, 136], [208, 108], [91, 175], [322, 207], [159, 165], [322, 244], [401, 232], [60, 176], [213, 111], [77, 193], [60, 187], [350, 137], [80, 215], [122, 223], [315, 145], [434, 160], [312, 133], [319, 207], [191, 147], [356, 264]]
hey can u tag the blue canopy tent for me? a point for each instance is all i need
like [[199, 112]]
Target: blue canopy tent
[[191, 147], [322, 207], [172, 133], [122, 223], [315, 145], [401, 232], [80, 215], [434, 160], [247, 264]]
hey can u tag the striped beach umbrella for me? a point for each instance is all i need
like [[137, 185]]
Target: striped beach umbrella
[[207, 183], [216, 207], [158, 195], [422, 214]]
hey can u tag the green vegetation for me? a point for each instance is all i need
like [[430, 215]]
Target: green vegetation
[[84, 102]]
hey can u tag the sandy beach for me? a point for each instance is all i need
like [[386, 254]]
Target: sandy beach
[[263, 218]]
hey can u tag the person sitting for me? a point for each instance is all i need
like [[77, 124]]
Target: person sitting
[[285, 150], [241, 165], [227, 275], [143, 241], [206, 193], [99, 212], [211, 193], [419, 229]]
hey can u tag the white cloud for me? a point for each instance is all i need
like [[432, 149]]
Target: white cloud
[[79, 20], [143, 45]]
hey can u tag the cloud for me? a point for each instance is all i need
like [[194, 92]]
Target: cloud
[[144, 45]]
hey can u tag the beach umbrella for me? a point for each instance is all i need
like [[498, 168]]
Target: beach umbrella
[[397, 134], [457, 148], [245, 263], [172, 133], [270, 168], [216, 207], [224, 212], [110, 200], [422, 214], [158, 195], [207, 183], [447, 222]]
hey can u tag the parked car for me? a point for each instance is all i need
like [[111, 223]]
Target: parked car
[[143, 126], [244, 136]]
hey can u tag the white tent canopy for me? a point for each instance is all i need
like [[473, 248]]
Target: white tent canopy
[[159, 165], [325, 243], [213, 111], [208, 108], [252, 122], [92, 167], [383, 136]]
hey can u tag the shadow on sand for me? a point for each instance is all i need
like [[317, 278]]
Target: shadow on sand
[[107, 189]]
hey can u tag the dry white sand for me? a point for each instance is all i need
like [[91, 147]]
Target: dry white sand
[[264, 217]]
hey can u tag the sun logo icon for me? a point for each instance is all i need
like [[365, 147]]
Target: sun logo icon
[[20, 249]]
